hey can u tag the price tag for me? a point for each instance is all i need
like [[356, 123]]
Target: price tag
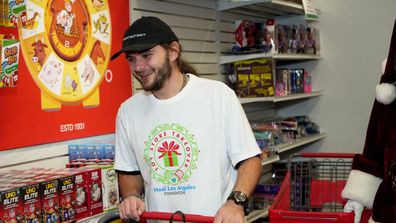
[[310, 11]]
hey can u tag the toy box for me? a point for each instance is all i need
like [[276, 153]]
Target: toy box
[[254, 78], [82, 192], [67, 196], [10, 206], [110, 191], [9, 49], [31, 202], [95, 202], [49, 200], [88, 183]]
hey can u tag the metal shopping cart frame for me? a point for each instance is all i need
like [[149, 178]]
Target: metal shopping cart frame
[[167, 216], [311, 190]]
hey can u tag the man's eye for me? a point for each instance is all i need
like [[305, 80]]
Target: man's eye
[[146, 55]]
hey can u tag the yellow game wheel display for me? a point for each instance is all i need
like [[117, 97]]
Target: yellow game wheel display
[[66, 46]]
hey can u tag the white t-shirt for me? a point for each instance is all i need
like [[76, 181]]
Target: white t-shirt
[[185, 147]]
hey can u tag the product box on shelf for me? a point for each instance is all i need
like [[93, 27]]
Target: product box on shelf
[[253, 37], [10, 206], [49, 200], [67, 196], [289, 81], [91, 153], [88, 183], [31, 202], [110, 191], [13, 13], [9, 49], [254, 78]]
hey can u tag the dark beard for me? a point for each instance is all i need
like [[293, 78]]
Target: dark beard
[[163, 74]]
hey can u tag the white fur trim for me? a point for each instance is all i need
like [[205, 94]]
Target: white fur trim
[[372, 221], [361, 187], [385, 93], [383, 65]]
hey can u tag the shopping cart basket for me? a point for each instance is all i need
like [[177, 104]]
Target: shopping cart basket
[[177, 216], [311, 190]]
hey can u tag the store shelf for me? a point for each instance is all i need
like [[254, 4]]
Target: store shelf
[[95, 218], [261, 7], [280, 98], [256, 214], [225, 59], [299, 142], [270, 160]]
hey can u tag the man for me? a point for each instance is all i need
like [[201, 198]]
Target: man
[[185, 141]]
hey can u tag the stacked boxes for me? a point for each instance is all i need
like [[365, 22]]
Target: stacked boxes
[[291, 81], [91, 153], [48, 195]]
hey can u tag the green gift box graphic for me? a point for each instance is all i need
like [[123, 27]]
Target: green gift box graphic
[[169, 153]]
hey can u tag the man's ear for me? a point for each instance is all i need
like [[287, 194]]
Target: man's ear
[[174, 51]]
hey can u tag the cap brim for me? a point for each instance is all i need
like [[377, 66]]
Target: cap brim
[[133, 48]]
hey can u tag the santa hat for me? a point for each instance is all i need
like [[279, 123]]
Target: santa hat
[[386, 90]]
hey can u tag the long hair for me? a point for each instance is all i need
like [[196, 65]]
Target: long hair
[[182, 64]]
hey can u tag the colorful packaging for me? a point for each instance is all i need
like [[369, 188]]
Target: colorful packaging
[[10, 206], [307, 82], [15, 12], [67, 196], [254, 78], [110, 191], [50, 200], [31, 202], [95, 202], [9, 62], [82, 193], [88, 183]]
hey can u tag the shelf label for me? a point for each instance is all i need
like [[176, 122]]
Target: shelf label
[[310, 11]]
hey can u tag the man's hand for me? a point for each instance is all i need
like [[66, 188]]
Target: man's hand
[[230, 213], [356, 207], [131, 208]]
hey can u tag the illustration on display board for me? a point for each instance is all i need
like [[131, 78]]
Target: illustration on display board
[[66, 45]]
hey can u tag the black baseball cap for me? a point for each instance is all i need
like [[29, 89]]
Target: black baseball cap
[[144, 34]]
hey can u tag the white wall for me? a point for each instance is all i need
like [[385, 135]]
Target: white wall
[[355, 37]]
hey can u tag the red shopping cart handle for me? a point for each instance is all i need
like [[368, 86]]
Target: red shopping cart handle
[[327, 155], [153, 215]]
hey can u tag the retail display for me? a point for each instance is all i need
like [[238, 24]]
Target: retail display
[[9, 60], [67, 50], [57, 195], [292, 42]]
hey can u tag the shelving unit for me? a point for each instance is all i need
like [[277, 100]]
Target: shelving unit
[[280, 98], [270, 9], [262, 7], [278, 56]]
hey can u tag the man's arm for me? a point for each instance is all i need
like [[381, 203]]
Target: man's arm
[[249, 173], [131, 186]]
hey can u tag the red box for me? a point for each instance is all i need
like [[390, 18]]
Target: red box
[[95, 202], [10, 206], [31, 202], [67, 196], [87, 182], [50, 200]]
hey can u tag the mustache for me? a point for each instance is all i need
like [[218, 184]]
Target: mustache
[[143, 72]]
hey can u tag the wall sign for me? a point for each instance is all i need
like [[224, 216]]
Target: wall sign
[[67, 86]]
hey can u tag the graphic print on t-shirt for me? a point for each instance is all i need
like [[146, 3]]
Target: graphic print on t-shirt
[[172, 153]]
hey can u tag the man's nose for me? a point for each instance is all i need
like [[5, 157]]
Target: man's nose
[[139, 64]]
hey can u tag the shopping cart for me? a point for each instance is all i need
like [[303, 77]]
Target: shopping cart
[[311, 190], [177, 216]]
